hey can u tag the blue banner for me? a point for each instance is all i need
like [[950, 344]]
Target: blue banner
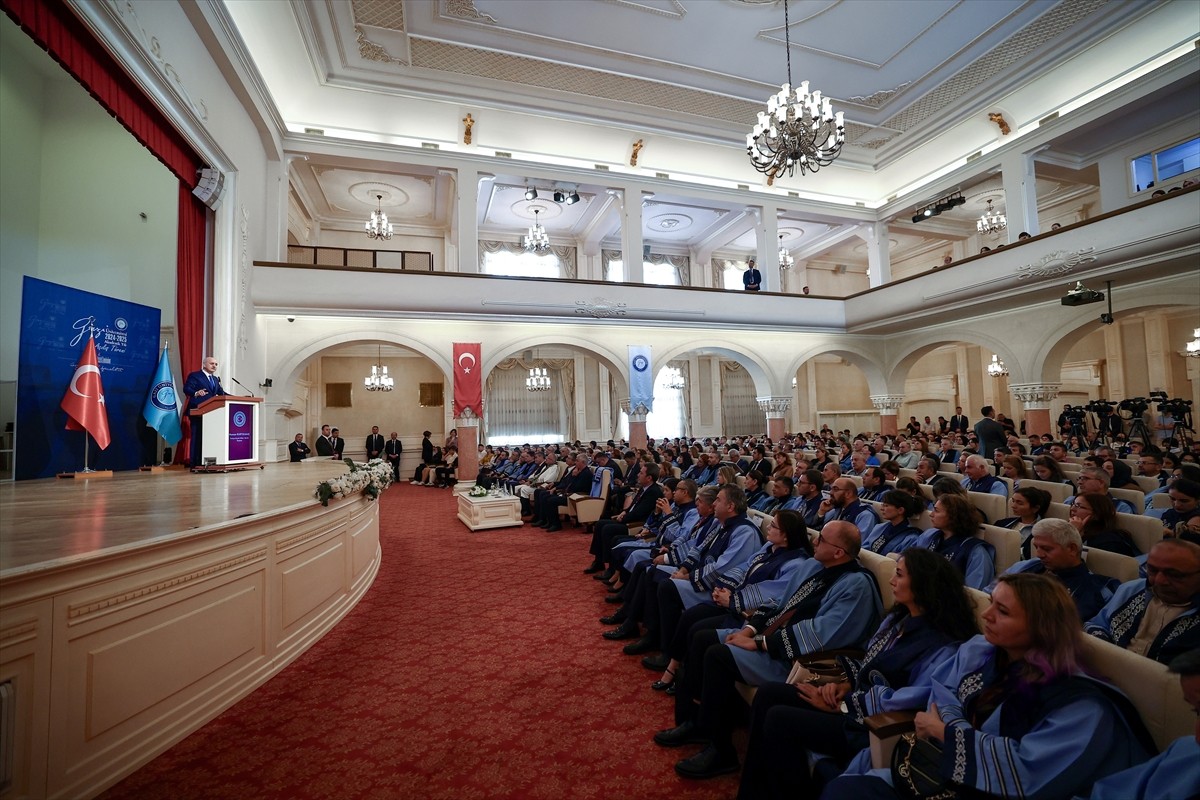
[[161, 410], [641, 379], [55, 321]]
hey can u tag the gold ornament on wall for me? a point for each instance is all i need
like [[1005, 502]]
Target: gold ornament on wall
[[637, 148], [468, 123], [998, 118]]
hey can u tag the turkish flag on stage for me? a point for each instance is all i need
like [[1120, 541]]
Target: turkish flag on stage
[[84, 398], [468, 388]]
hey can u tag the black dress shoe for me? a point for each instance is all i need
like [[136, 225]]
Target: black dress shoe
[[662, 686], [657, 663], [552, 528], [687, 733], [646, 644], [615, 589], [593, 568], [615, 599], [628, 630], [605, 576], [708, 763], [671, 690], [618, 618]]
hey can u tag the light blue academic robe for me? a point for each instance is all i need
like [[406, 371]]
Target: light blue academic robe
[[1174, 774], [981, 564], [637, 551]]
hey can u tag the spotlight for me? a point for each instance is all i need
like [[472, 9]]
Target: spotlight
[[917, 218], [573, 198], [559, 196], [531, 193], [928, 212]]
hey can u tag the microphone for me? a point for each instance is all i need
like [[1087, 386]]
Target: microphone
[[239, 383]]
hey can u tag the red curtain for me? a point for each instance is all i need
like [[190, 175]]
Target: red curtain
[[58, 31]]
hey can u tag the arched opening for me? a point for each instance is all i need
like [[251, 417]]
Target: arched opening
[[939, 378], [718, 395]]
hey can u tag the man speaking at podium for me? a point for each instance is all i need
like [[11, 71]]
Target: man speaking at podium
[[200, 386]]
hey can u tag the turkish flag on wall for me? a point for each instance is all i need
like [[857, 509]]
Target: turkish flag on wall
[[468, 388], [84, 399]]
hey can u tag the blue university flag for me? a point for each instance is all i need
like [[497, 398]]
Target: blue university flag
[[641, 379], [161, 411]]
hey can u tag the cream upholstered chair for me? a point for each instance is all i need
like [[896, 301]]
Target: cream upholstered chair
[[1146, 531], [1147, 484], [1160, 500], [585, 508], [1059, 511], [1113, 565], [993, 506], [1058, 491], [1135, 496], [1007, 544]]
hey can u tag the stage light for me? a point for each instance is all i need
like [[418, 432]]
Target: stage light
[[559, 196], [531, 193]]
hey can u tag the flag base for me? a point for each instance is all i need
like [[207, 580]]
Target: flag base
[[95, 473]]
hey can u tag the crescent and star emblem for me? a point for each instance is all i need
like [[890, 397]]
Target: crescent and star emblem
[[466, 370], [80, 371]]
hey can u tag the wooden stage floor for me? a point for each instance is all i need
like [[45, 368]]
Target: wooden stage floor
[[54, 521]]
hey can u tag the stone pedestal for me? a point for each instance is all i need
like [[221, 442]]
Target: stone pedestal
[[637, 424], [776, 409], [887, 404], [468, 447], [1036, 397]]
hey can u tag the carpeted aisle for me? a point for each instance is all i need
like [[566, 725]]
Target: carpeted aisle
[[473, 668]]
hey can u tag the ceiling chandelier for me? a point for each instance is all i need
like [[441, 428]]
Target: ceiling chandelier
[[674, 379], [991, 222], [785, 258], [379, 380], [378, 226], [797, 129], [536, 240], [538, 380], [996, 369], [1193, 347]]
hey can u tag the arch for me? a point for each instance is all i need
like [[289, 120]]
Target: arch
[[615, 363], [763, 383], [924, 344], [851, 352]]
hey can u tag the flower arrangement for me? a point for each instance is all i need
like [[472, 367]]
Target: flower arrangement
[[370, 479], [478, 491]]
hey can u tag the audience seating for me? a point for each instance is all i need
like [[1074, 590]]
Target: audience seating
[[1058, 491], [1146, 531], [1007, 543], [993, 506], [1114, 565], [1160, 500], [1148, 484], [586, 509], [1134, 496]]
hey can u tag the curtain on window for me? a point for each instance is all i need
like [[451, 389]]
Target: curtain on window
[[510, 258], [512, 413], [727, 274], [658, 269], [740, 413], [668, 420]]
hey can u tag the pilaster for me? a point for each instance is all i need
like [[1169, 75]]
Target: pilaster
[[888, 405], [1036, 398]]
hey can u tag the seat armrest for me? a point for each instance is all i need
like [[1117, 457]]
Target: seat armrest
[[886, 728]]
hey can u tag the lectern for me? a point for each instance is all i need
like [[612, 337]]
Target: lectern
[[228, 434]]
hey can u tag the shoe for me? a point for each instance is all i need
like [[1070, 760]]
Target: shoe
[[646, 644], [687, 733], [708, 763], [661, 685], [615, 599], [628, 630], [658, 663], [616, 618], [552, 528], [593, 568], [670, 690], [614, 589], [604, 576]]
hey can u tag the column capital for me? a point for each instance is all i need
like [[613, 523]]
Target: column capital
[[775, 407], [636, 414], [1035, 395], [887, 403], [467, 419]]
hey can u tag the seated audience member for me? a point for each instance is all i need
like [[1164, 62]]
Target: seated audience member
[[726, 476], [910, 485], [779, 564], [641, 505], [808, 497], [1094, 480], [834, 608], [1185, 503], [955, 537], [671, 519], [1174, 774], [1013, 468], [1155, 616], [843, 504], [979, 477], [1095, 518], [1121, 475], [1047, 469], [298, 450], [947, 453], [896, 532], [781, 492], [760, 463], [830, 473], [546, 503], [1028, 504], [784, 468], [931, 617], [727, 548], [1058, 552], [874, 484], [927, 469], [1016, 710], [448, 469], [545, 478], [1150, 465], [906, 457], [756, 495]]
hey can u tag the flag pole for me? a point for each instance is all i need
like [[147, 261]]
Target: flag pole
[[87, 438]]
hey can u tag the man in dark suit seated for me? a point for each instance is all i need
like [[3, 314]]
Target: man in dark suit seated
[[640, 506], [298, 450]]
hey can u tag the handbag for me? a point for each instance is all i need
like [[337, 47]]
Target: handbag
[[916, 770], [817, 672]]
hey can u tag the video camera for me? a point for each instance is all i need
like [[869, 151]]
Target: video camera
[[1177, 407], [1074, 414], [1100, 407], [1134, 406]]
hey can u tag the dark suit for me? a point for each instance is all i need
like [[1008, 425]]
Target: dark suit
[[991, 436], [374, 445], [608, 530], [299, 451], [959, 423], [338, 444], [199, 381], [392, 449], [948, 456], [324, 448]]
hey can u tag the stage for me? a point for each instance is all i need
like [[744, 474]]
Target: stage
[[135, 608]]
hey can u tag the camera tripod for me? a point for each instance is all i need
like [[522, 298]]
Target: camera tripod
[[1137, 429]]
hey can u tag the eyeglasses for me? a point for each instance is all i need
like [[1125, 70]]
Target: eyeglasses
[[1169, 574]]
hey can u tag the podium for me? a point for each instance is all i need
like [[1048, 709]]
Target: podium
[[228, 433]]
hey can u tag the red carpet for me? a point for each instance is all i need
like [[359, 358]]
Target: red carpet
[[473, 668]]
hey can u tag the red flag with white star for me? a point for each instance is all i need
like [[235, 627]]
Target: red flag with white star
[[468, 388], [84, 398]]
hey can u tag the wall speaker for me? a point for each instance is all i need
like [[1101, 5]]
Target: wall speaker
[[212, 182], [645, 252]]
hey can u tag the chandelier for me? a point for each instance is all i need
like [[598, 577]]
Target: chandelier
[[378, 226], [536, 240], [538, 380], [785, 258], [1193, 347], [796, 130], [996, 369], [674, 379], [379, 380], [991, 222]]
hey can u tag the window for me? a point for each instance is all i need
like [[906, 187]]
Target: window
[[522, 264], [731, 275], [1151, 169]]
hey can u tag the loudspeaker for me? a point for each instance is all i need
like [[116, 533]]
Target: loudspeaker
[[645, 252], [209, 188]]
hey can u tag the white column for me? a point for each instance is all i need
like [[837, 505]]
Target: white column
[[631, 235], [875, 234], [466, 234], [1020, 194]]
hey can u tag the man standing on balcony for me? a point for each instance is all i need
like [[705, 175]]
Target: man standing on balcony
[[752, 278]]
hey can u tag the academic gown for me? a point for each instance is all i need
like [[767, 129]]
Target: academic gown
[[974, 558]]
